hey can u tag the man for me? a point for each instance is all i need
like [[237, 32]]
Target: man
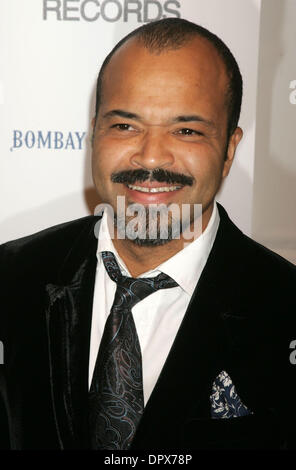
[[201, 361]]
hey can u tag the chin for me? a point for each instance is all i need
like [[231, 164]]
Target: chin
[[151, 242]]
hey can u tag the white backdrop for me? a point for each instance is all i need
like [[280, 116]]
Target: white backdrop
[[274, 189], [51, 51]]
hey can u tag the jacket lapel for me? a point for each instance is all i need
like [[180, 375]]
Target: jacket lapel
[[198, 354], [68, 319]]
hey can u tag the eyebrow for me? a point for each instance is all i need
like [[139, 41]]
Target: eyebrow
[[195, 118], [177, 119], [121, 113]]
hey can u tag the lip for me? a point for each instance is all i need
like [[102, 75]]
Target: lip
[[151, 198], [153, 184]]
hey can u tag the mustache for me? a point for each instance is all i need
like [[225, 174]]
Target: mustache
[[159, 175]]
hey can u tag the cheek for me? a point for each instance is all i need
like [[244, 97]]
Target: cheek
[[101, 160], [108, 155], [204, 164]]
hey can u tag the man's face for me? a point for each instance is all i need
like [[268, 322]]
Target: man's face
[[165, 112]]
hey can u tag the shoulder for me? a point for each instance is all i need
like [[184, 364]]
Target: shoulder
[[249, 255], [265, 259], [255, 283], [42, 249], [251, 273]]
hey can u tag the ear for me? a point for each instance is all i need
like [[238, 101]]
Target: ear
[[231, 148], [93, 125]]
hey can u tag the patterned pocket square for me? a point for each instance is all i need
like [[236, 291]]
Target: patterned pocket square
[[225, 402]]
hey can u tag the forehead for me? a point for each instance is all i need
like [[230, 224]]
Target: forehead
[[194, 71]]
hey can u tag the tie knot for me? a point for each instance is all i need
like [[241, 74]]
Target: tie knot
[[131, 290]]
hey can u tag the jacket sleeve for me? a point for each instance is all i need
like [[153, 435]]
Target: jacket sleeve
[[4, 429]]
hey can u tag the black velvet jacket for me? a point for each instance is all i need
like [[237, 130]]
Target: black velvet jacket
[[241, 319]]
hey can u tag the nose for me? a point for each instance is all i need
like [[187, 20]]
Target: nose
[[153, 151]]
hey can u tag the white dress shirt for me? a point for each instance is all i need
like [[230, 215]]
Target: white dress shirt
[[158, 316]]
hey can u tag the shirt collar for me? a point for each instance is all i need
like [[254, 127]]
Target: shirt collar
[[194, 256], [105, 244]]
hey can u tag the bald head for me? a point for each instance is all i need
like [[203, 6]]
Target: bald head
[[172, 34]]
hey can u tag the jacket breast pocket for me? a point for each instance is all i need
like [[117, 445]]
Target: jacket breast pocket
[[253, 431]]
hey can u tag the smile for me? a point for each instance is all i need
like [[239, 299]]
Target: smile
[[162, 189]]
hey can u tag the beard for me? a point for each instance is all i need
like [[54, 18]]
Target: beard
[[153, 225], [157, 224]]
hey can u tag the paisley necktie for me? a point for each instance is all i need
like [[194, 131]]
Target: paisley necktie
[[116, 401]]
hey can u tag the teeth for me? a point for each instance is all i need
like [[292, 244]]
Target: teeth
[[163, 189]]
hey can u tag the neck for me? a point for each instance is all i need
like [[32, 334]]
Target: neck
[[140, 259]]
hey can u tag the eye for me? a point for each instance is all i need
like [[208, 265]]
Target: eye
[[122, 127], [188, 131]]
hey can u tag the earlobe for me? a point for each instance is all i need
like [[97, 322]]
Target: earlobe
[[238, 134], [234, 140]]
